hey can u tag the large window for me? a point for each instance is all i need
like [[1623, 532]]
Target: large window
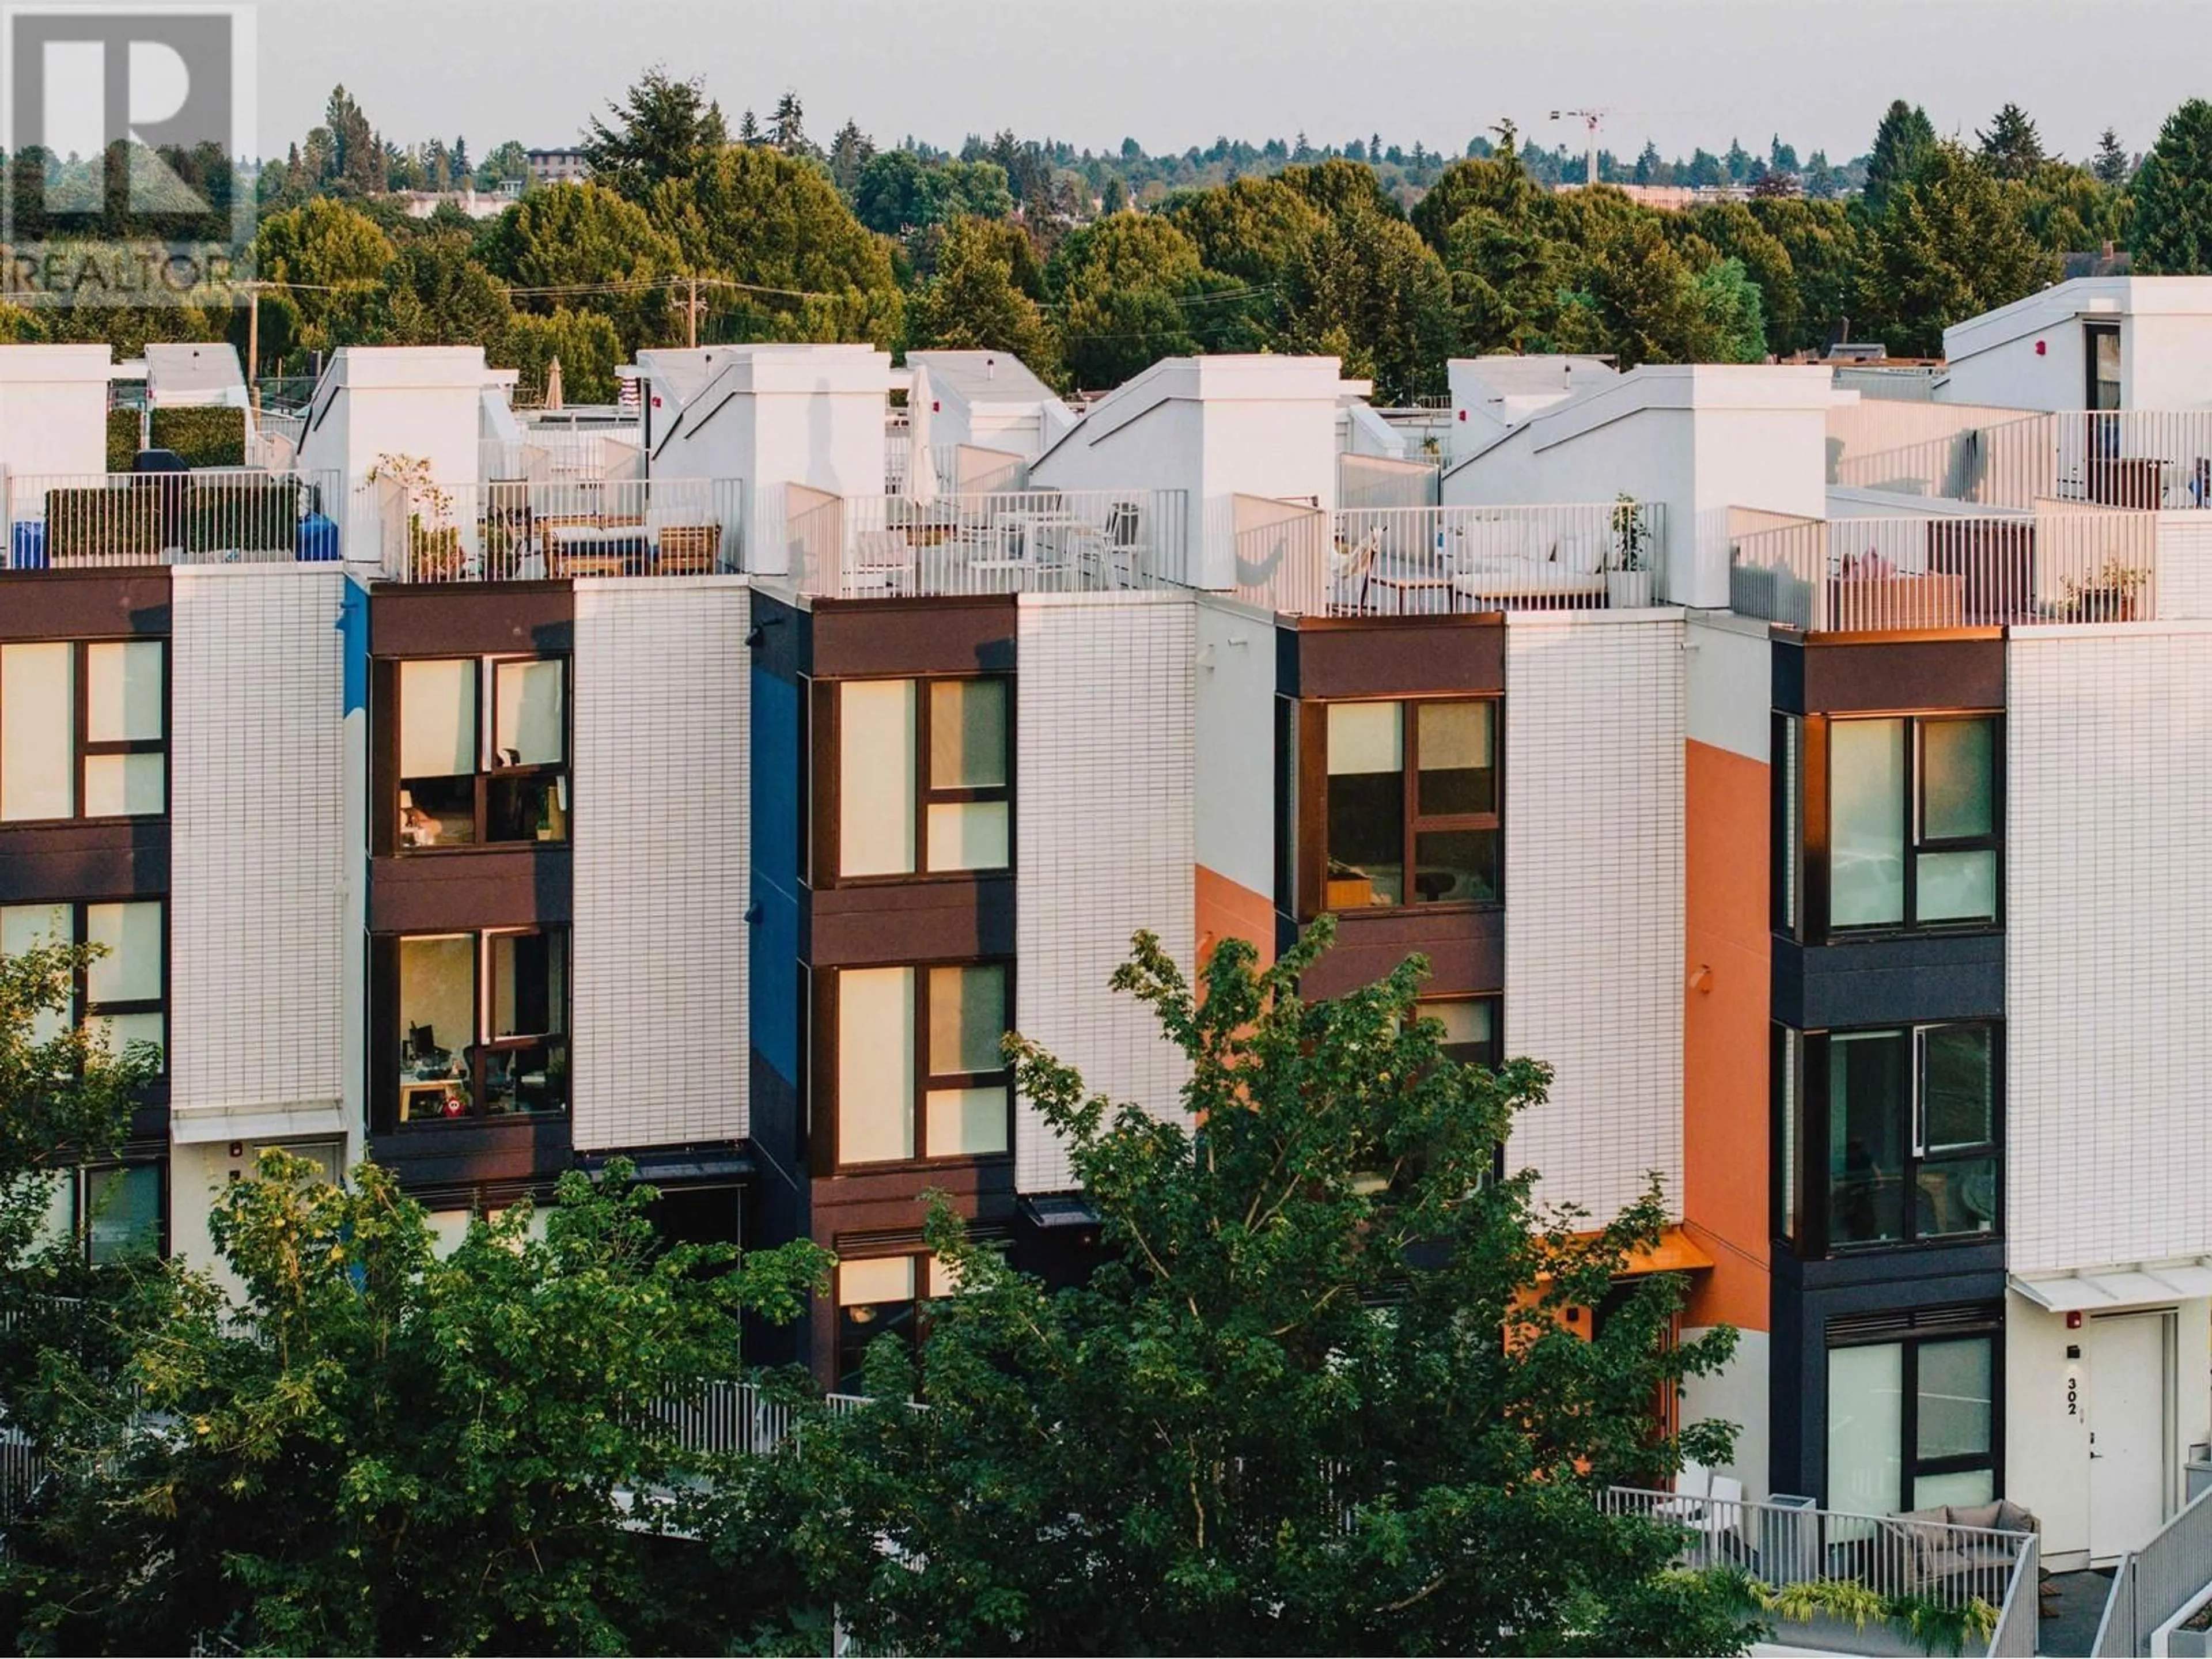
[[918, 1066], [120, 1212], [880, 1295], [924, 775], [481, 1026], [1913, 822], [1913, 1422], [83, 730], [122, 993], [1900, 1132], [483, 752], [1412, 809]]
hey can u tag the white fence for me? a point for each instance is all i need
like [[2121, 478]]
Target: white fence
[[526, 531], [1897, 1555], [2156, 1582], [1439, 560], [231, 515], [562, 453], [1050, 541], [2139, 458], [2061, 564]]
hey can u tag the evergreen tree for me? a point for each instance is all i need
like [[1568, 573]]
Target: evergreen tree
[[848, 153], [663, 129], [1901, 142], [2111, 162], [1648, 164], [748, 129], [1951, 245], [2171, 230], [2011, 148], [1781, 157], [1738, 163], [787, 128]]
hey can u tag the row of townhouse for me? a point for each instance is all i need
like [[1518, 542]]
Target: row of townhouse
[[493, 812]]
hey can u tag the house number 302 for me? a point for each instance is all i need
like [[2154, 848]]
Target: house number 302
[[2073, 1396]]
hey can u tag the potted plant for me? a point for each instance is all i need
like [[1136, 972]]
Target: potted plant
[[1628, 572], [2107, 596]]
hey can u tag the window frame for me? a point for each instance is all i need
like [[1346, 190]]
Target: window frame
[[1815, 798], [1802, 1180], [81, 1201], [1908, 1334], [391, 1032], [828, 1127], [488, 770], [83, 748], [1308, 787], [826, 856], [82, 1008]]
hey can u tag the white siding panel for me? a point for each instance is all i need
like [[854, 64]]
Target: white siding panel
[[1593, 870], [2108, 995], [2184, 564], [1105, 759], [258, 840], [662, 800]]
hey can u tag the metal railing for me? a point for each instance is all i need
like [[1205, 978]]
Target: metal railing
[[529, 532], [232, 515], [723, 1416], [2156, 1582], [2060, 563], [22, 1468], [1437, 560], [1027, 541], [2141, 459], [1893, 1555], [2011, 464], [559, 453]]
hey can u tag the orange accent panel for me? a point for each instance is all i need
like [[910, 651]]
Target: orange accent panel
[[1228, 909], [1725, 1040]]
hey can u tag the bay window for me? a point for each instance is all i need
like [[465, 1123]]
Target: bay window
[[478, 1027], [83, 730], [1898, 1130], [1411, 814], [483, 752], [1913, 1422], [923, 775], [122, 993], [918, 1070]]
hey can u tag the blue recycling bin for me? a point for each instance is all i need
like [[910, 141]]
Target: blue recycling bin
[[27, 546], [318, 542]]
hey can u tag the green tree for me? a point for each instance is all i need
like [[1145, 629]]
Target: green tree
[[380, 1449], [2171, 232], [1734, 231], [1952, 244], [1823, 242], [585, 342], [323, 258], [2111, 162], [585, 236], [2011, 148], [786, 127], [431, 294], [983, 297], [1253, 230], [504, 163], [2066, 208], [1368, 288], [848, 153], [759, 217], [1734, 330], [663, 129], [1120, 284], [1329, 1399], [1901, 143]]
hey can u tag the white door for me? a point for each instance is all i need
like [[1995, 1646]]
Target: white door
[[2127, 1431]]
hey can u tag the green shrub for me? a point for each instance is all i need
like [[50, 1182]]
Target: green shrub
[[251, 516], [122, 439], [117, 525], [204, 435]]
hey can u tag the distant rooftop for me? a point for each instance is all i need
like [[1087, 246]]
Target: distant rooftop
[[983, 377]]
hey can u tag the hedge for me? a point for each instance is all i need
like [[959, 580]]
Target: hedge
[[206, 434], [122, 439], [138, 522]]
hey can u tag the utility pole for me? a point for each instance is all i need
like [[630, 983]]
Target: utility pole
[[691, 311], [254, 346], [1591, 119]]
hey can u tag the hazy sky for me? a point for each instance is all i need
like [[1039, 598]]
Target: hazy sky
[[1174, 73]]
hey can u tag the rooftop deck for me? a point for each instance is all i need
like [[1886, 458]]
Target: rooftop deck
[[229, 515], [420, 531], [2143, 458]]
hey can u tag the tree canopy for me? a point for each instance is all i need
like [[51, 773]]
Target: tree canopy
[[2173, 229], [1328, 1395], [663, 129]]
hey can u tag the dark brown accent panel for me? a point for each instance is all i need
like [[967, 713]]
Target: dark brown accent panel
[[1466, 950], [88, 861], [946, 920], [470, 1153], [861, 637], [1876, 673], [452, 892], [1400, 656], [83, 605], [890, 1200], [785, 634], [471, 619]]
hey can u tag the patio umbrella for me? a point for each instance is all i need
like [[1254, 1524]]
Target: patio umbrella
[[553, 384], [920, 470]]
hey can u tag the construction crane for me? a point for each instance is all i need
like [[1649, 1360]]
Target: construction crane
[[1591, 120]]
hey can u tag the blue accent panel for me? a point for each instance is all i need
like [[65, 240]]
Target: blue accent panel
[[353, 627], [775, 953]]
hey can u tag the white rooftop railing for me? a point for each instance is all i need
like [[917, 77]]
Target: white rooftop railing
[[2140, 459], [1027, 541], [230, 515], [530, 532], [1436, 561], [2060, 563]]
